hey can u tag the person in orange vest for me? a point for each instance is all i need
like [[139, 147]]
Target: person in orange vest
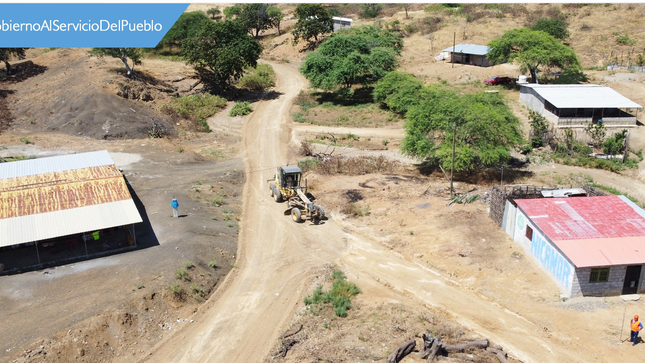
[[636, 327]]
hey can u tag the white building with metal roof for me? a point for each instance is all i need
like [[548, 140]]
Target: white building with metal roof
[[69, 202], [472, 54], [576, 105]]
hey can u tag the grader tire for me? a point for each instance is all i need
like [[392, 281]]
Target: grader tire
[[295, 215], [278, 196]]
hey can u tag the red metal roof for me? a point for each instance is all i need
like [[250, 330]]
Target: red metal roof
[[583, 217], [591, 231]]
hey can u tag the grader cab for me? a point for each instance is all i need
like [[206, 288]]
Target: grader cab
[[286, 185]]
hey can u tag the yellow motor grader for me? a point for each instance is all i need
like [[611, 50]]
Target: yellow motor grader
[[301, 204]]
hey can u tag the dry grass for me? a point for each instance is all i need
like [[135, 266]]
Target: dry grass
[[359, 165]]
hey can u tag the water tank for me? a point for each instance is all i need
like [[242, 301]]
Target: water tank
[[522, 79]]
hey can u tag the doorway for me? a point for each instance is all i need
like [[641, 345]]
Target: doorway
[[632, 276]]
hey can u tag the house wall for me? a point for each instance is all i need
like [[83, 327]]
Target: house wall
[[547, 256], [472, 59], [340, 24], [582, 286]]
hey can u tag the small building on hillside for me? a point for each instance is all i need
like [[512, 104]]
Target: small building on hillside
[[590, 246], [341, 23], [577, 105], [62, 208], [468, 54]]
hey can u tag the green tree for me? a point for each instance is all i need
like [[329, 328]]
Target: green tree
[[486, 130], [371, 11], [255, 18], [532, 49], [276, 16], [357, 56], [6, 53], [597, 133], [398, 91], [134, 54], [220, 52], [313, 21], [555, 27], [213, 12], [406, 7], [186, 27], [232, 11], [615, 144]]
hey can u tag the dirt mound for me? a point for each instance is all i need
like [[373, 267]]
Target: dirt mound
[[79, 95]]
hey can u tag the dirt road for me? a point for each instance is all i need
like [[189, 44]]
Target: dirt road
[[241, 322]]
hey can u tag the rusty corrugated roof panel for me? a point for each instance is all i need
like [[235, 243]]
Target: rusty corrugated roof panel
[[63, 195], [55, 197]]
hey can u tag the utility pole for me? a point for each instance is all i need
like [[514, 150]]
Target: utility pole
[[452, 164], [452, 55], [501, 181]]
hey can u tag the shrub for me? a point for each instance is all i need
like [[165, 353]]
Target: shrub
[[625, 40], [308, 164], [615, 144], [339, 296], [241, 109], [258, 79], [188, 265], [194, 108], [177, 290], [212, 264], [181, 274]]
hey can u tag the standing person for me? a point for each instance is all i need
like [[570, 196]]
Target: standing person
[[174, 204], [636, 327]]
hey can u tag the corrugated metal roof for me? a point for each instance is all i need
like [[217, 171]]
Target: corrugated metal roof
[[584, 218], [62, 195], [51, 164], [582, 96], [469, 49], [341, 19], [42, 226], [604, 251], [291, 169]]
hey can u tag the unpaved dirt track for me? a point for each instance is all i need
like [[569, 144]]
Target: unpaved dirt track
[[241, 322]]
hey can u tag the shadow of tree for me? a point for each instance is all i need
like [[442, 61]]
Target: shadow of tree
[[24, 71]]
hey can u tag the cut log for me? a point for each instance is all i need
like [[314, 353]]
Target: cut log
[[431, 347], [402, 351], [476, 344], [499, 353]]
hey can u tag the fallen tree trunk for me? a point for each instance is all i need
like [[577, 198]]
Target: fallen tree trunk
[[458, 348], [499, 353], [402, 351], [431, 347]]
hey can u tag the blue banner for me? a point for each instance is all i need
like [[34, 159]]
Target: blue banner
[[86, 25]]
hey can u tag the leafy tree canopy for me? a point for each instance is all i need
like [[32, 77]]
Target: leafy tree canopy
[[213, 12], [313, 20], [220, 52], [276, 16], [533, 50], [486, 129], [398, 91], [232, 11], [357, 56], [255, 18], [187, 26], [134, 54], [555, 27]]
